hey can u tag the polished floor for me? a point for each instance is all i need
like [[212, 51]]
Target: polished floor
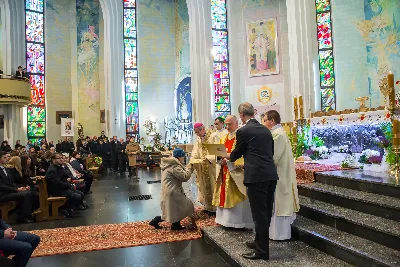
[[109, 204]]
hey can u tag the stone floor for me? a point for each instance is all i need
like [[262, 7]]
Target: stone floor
[[290, 254], [109, 204]]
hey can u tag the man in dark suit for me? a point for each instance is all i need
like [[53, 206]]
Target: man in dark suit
[[59, 185], [20, 73], [255, 143], [19, 244], [27, 200]]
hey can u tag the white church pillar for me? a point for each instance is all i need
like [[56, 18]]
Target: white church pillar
[[302, 40], [13, 29], [114, 67], [201, 60]]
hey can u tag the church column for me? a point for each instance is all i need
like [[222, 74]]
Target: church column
[[201, 60], [302, 50], [114, 67]]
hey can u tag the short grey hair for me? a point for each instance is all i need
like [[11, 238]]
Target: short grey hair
[[246, 109], [231, 116]]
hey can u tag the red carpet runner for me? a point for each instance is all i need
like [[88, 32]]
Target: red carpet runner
[[109, 236]]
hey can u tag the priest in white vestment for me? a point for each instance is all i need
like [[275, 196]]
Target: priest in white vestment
[[286, 202], [219, 132], [204, 165], [233, 207]]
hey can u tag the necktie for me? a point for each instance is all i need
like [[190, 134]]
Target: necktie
[[4, 170]]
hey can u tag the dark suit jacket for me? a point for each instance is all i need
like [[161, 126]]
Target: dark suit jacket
[[20, 75], [255, 143], [3, 226], [57, 184], [7, 184]]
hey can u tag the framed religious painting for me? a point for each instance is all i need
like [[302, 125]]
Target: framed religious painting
[[102, 116], [62, 115], [262, 44]]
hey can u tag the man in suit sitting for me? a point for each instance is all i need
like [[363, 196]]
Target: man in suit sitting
[[26, 199], [59, 185], [255, 143], [19, 244]]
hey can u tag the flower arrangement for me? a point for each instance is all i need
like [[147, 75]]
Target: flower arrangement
[[97, 161], [370, 156], [349, 162], [321, 152]]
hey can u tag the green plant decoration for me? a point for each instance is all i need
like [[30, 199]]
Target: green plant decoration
[[386, 128]]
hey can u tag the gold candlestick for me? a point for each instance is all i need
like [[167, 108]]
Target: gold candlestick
[[392, 93], [296, 111], [301, 107]]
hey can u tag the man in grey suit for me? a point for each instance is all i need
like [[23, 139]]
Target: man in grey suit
[[255, 143]]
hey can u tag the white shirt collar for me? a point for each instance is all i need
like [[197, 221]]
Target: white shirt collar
[[249, 120], [232, 134], [276, 127]]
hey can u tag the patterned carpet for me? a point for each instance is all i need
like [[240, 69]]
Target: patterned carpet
[[109, 236]]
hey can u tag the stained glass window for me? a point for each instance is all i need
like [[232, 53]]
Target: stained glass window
[[221, 58], [35, 5], [326, 55], [131, 71], [34, 27], [35, 67]]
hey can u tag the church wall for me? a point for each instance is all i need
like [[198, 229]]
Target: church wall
[[156, 60], [88, 81], [243, 87], [364, 52], [350, 53], [60, 19]]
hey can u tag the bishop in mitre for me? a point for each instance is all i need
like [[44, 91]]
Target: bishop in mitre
[[204, 165], [286, 202], [233, 207], [219, 132]]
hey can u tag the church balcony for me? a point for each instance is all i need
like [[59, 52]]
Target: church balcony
[[14, 91]]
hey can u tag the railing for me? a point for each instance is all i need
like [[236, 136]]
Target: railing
[[14, 91]]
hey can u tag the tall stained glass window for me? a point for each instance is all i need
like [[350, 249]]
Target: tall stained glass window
[[35, 61], [130, 68], [326, 55], [222, 99]]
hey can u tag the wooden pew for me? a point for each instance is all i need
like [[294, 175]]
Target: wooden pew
[[91, 167], [46, 201], [6, 207]]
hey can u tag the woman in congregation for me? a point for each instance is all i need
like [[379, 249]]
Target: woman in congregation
[[27, 174], [133, 150], [286, 202], [175, 206]]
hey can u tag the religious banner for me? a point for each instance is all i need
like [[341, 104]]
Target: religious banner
[[67, 127], [262, 43]]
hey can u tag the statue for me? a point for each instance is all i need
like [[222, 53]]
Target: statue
[[80, 129]]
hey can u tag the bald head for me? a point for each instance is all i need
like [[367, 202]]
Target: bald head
[[231, 123]]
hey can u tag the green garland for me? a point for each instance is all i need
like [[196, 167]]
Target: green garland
[[386, 128]]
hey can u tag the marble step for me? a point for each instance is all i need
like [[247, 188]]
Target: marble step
[[349, 248], [380, 230], [366, 181], [374, 204], [231, 245]]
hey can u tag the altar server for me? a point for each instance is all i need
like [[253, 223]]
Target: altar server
[[220, 131], [286, 196]]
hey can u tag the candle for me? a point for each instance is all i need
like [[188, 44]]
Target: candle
[[295, 108], [301, 107], [390, 78]]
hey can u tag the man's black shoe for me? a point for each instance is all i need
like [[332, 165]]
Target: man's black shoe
[[255, 256], [251, 245]]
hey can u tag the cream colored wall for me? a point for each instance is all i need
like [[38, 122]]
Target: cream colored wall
[[60, 17]]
